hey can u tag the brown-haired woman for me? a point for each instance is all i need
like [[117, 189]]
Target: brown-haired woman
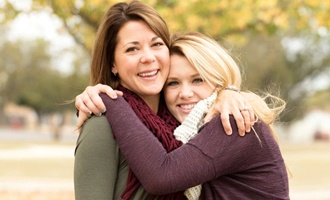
[[131, 55]]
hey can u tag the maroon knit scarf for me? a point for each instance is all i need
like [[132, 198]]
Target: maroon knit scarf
[[162, 126]]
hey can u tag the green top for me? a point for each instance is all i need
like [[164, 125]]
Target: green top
[[100, 171]]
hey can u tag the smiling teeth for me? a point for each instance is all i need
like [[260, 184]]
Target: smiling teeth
[[148, 74], [190, 106]]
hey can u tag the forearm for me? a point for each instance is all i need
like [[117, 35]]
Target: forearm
[[158, 171]]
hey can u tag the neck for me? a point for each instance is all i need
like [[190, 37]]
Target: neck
[[152, 101]]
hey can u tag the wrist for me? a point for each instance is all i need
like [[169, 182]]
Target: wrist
[[232, 88]]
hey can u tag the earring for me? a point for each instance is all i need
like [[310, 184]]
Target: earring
[[113, 70]]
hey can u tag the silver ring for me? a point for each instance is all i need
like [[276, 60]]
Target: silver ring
[[245, 108]]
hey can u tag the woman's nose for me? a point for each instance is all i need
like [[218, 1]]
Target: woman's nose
[[186, 92], [147, 56]]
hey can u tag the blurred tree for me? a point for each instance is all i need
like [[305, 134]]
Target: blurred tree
[[272, 63], [256, 26], [32, 81], [27, 65], [28, 78], [307, 64], [321, 99], [220, 19]]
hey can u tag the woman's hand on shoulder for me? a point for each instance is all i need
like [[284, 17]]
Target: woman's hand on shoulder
[[233, 102], [89, 102]]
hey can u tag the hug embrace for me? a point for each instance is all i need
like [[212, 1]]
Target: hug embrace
[[175, 129]]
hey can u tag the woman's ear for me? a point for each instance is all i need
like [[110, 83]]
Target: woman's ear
[[114, 70]]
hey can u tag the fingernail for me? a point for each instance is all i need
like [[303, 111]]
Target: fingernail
[[99, 114], [114, 95], [228, 132], [103, 111]]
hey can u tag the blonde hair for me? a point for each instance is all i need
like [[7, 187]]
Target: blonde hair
[[107, 35], [212, 62], [217, 67]]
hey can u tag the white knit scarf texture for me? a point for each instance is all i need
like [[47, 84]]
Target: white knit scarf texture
[[189, 129]]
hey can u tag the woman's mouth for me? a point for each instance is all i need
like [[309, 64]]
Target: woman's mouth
[[187, 106], [148, 74]]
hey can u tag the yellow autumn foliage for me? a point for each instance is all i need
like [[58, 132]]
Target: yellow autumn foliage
[[219, 18]]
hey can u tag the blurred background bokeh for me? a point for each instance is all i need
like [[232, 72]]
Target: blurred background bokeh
[[45, 47]]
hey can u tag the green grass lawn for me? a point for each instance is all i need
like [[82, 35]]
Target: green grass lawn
[[42, 168], [30, 166], [36, 170], [308, 163]]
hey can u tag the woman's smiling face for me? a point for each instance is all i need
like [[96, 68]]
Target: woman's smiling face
[[184, 87], [141, 59]]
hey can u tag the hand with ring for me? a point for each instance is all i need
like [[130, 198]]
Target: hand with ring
[[244, 115]]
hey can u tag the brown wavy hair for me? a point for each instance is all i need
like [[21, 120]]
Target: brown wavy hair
[[107, 34]]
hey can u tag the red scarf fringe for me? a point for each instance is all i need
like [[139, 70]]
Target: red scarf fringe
[[162, 126]]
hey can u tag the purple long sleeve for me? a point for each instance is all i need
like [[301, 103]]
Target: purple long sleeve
[[211, 156]]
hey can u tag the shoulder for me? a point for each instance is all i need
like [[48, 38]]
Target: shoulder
[[215, 133], [94, 130], [216, 123], [259, 127], [96, 124], [108, 101], [116, 108]]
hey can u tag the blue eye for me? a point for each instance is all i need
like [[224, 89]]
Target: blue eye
[[172, 83]]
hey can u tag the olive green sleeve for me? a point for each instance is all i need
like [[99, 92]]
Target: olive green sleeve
[[97, 161]]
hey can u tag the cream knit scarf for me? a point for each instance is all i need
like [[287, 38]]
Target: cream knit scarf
[[189, 129]]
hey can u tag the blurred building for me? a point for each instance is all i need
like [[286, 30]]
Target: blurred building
[[23, 117], [20, 116], [315, 125]]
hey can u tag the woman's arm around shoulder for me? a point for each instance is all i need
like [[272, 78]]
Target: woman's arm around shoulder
[[160, 172]]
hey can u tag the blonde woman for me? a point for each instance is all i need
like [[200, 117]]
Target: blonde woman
[[130, 54], [228, 167]]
